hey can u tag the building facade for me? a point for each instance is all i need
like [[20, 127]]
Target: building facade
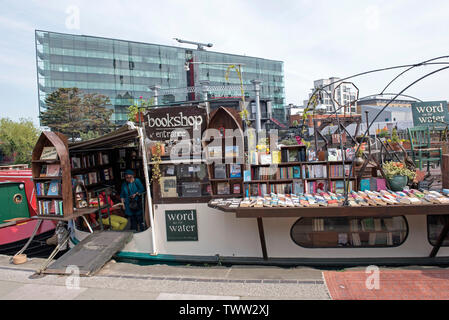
[[344, 95], [125, 70]]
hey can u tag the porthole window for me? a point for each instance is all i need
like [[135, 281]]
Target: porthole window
[[435, 225], [348, 232]]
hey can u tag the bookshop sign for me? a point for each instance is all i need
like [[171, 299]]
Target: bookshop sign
[[181, 225], [431, 113], [162, 123]]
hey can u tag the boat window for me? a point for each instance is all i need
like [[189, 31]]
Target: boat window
[[348, 232], [435, 225]]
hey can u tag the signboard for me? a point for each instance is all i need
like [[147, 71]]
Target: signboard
[[181, 225], [161, 123], [431, 113]]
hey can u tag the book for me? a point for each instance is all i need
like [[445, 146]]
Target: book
[[284, 155], [276, 157], [321, 186], [49, 153], [339, 155], [349, 154], [311, 155], [76, 163], [53, 188], [339, 186], [43, 172], [342, 239], [298, 187], [220, 171], [373, 184], [214, 151], [53, 170], [365, 185], [236, 189], [104, 158], [253, 157], [235, 171], [296, 172], [92, 177], [293, 155], [265, 158], [381, 184], [223, 188], [332, 154], [247, 175], [302, 155], [191, 189], [231, 151]]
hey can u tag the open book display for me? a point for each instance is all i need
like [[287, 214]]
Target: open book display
[[329, 199]]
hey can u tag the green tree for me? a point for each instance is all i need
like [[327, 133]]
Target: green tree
[[75, 114], [17, 139]]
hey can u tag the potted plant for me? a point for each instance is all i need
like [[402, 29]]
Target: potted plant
[[398, 175], [406, 144], [394, 140], [358, 160], [382, 133]]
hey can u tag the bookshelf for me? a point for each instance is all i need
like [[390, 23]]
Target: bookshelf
[[295, 174], [51, 175], [92, 169], [225, 154]]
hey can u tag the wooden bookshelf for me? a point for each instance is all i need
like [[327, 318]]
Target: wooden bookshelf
[[288, 178], [224, 119], [57, 142]]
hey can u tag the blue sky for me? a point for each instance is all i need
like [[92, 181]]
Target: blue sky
[[315, 39]]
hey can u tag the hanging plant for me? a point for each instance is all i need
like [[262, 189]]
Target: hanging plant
[[156, 159], [244, 114]]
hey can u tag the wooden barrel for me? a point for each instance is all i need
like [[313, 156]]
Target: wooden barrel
[[445, 171]]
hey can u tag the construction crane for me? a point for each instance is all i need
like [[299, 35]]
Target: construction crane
[[199, 44]]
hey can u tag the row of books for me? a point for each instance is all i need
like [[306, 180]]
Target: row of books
[[261, 189], [314, 171], [50, 170], [90, 160], [373, 184], [298, 187], [220, 172], [52, 188], [333, 154], [170, 188], [338, 186], [217, 152], [54, 207], [294, 155], [337, 171], [267, 173], [224, 188], [95, 177]]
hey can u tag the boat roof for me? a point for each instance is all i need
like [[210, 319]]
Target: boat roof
[[116, 139]]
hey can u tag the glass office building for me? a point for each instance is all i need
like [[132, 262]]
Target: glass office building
[[125, 71]]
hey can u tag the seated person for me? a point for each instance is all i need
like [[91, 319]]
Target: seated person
[[117, 222]]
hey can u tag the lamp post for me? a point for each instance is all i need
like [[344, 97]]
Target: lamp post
[[205, 91], [256, 84], [155, 90]]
